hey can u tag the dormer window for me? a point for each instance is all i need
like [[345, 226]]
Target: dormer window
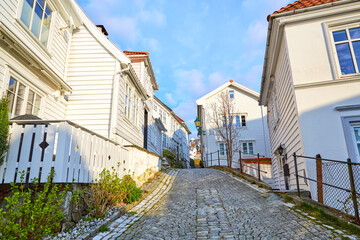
[[36, 16]]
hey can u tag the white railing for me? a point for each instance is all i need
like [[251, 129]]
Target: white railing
[[75, 153]]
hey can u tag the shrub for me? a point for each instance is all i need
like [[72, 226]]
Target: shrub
[[201, 164], [171, 157], [104, 228], [32, 213], [110, 191], [4, 128]]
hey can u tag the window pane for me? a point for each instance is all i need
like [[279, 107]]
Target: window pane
[[12, 85], [35, 28], [11, 97], [345, 59], [340, 36], [31, 97], [244, 148], [243, 121], [356, 46], [20, 99], [251, 150], [354, 33], [238, 121], [41, 2], [221, 149], [45, 29], [357, 134], [47, 11], [26, 12]]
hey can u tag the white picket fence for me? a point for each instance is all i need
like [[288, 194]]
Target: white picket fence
[[75, 153]]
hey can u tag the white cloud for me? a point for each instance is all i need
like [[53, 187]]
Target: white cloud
[[153, 16], [256, 33], [170, 99]]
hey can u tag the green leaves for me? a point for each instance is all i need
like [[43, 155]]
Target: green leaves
[[32, 213], [4, 128]]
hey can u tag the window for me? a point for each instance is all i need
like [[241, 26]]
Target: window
[[347, 45], [275, 108], [36, 15], [164, 117], [237, 121], [129, 105], [223, 149], [243, 120], [126, 98], [22, 99], [231, 93], [224, 121], [247, 148], [230, 120], [134, 109], [155, 108], [356, 132]]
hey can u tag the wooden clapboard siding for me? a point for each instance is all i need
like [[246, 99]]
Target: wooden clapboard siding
[[287, 130], [57, 47], [90, 73]]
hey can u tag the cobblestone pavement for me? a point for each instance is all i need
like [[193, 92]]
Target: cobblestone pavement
[[210, 204]]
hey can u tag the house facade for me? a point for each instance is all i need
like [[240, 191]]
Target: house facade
[[59, 66], [247, 118], [176, 136], [310, 86]]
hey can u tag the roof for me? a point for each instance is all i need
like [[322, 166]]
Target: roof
[[231, 83], [135, 53], [300, 4], [180, 119]]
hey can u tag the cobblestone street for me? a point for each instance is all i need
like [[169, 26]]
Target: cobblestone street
[[210, 204]]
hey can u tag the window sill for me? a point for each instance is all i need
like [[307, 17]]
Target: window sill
[[26, 32]]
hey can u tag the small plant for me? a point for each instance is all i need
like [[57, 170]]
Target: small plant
[[260, 186], [252, 182], [171, 157], [104, 228], [4, 128], [288, 199], [110, 191], [32, 213], [132, 213]]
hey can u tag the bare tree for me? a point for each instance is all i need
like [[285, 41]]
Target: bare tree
[[222, 120]]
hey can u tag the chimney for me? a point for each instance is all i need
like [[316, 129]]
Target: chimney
[[102, 29]]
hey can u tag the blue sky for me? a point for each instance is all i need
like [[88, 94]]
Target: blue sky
[[194, 46]]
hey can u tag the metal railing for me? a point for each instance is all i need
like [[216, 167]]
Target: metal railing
[[215, 159], [337, 185]]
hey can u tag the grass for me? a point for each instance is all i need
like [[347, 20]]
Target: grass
[[326, 218], [252, 182], [260, 186], [132, 213], [104, 228]]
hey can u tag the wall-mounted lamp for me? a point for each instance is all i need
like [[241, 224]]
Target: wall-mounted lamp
[[280, 150]]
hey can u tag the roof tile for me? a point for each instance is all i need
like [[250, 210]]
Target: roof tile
[[135, 53], [301, 4]]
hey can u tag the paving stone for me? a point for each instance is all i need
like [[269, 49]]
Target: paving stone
[[209, 204]]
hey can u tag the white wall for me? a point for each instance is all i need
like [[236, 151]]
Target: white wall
[[244, 103]]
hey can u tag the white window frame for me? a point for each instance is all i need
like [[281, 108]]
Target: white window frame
[[248, 147], [329, 28], [348, 125], [51, 7], [225, 149], [28, 87]]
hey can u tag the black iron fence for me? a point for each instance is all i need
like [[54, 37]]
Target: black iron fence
[[338, 183]]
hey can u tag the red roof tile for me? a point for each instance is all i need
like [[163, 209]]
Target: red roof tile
[[135, 53], [180, 119], [301, 4]]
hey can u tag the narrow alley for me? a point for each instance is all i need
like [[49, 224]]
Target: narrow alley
[[210, 204]]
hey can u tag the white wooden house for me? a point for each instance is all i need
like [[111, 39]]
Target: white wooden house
[[58, 65], [176, 137], [248, 119], [311, 85]]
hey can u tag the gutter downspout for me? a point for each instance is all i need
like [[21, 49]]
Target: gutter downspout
[[114, 101]]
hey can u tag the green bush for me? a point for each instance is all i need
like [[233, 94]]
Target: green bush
[[171, 157], [32, 213], [4, 128], [201, 164], [110, 191]]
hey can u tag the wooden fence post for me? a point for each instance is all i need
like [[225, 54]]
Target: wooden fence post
[[319, 178], [241, 170], [211, 159]]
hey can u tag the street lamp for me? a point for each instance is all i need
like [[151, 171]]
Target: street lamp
[[197, 122]]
